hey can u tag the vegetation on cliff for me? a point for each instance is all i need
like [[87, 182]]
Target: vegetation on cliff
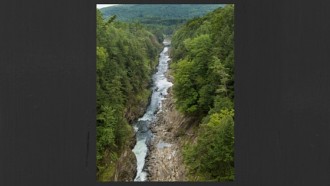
[[203, 65], [160, 19], [126, 57]]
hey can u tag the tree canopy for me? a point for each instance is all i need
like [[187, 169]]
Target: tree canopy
[[126, 55], [158, 18], [203, 64]]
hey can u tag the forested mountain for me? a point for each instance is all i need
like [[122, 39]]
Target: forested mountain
[[126, 56], [203, 64], [145, 12], [159, 18]]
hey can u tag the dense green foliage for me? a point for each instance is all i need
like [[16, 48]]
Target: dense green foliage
[[159, 18], [212, 157], [203, 67], [146, 12], [203, 64], [126, 56], [204, 61]]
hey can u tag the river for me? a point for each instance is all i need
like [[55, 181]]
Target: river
[[142, 126]]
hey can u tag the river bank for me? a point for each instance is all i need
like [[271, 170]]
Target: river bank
[[142, 126], [165, 161], [162, 132], [171, 131]]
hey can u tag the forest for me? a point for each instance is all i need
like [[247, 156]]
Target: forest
[[126, 57], [159, 19], [203, 63], [202, 66]]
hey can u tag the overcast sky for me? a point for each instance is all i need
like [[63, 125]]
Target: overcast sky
[[104, 5]]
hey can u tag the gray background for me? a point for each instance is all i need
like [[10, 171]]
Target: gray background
[[47, 93]]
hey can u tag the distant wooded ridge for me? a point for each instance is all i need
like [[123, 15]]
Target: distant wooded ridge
[[167, 14]]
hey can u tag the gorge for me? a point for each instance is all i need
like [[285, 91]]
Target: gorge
[[165, 112]]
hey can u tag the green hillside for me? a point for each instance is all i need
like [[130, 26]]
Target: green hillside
[[203, 68], [146, 13], [158, 18]]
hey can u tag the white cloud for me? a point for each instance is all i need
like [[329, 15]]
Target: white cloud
[[98, 6]]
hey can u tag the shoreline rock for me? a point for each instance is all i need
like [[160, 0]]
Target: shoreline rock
[[165, 162], [126, 166]]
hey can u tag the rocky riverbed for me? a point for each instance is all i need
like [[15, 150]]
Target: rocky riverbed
[[165, 161]]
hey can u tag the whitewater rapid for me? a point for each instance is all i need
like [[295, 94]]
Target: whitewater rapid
[[141, 127]]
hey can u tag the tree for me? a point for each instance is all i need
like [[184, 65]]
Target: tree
[[203, 64], [126, 54], [212, 156]]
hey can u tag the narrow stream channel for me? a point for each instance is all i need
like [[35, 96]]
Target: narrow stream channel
[[143, 133]]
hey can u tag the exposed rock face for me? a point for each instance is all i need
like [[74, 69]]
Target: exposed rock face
[[134, 112], [165, 161], [126, 165]]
